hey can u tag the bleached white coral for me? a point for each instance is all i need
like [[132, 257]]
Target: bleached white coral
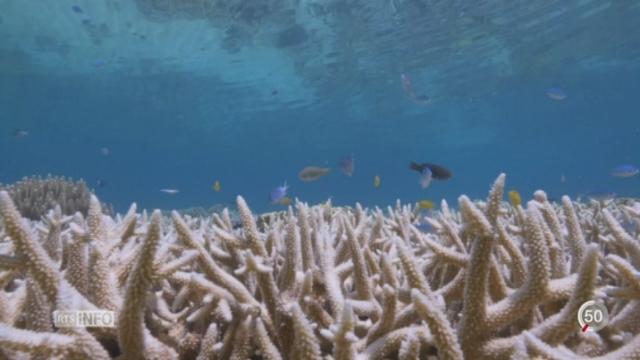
[[494, 282]]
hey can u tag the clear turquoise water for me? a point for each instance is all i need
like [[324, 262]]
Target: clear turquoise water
[[183, 95]]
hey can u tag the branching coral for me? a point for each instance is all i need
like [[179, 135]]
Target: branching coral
[[35, 196], [318, 282]]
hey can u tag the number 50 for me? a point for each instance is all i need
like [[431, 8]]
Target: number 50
[[593, 315]]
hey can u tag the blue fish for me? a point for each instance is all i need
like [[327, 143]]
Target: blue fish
[[99, 63], [625, 170], [77, 9], [278, 193]]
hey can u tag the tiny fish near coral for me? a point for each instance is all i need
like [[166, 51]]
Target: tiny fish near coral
[[601, 195], [278, 193], [285, 201], [514, 198], [426, 205]]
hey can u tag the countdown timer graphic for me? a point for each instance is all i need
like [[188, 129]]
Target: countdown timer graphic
[[592, 316]]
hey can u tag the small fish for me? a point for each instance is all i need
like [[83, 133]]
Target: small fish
[[514, 198], [347, 165], [376, 181], [101, 183], [426, 175], [439, 172], [170, 191], [99, 63], [274, 92], [216, 186], [285, 201], [20, 133], [278, 193], [625, 170], [601, 195], [422, 99], [563, 178], [312, 173], [77, 9], [426, 205], [105, 151], [556, 93], [406, 85]]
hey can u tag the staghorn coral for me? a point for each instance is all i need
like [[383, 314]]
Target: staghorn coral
[[35, 196], [493, 282]]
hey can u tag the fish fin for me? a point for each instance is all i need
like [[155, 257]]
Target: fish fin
[[415, 166]]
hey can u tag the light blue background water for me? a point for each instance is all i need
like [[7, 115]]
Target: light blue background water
[[185, 130]]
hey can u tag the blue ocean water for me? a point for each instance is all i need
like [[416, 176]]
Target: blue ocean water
[[184, 93]]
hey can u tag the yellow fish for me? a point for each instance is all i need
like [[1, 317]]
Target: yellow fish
[[285, 201], [376, 181], [514, 198], [426, 204], [216, 186]]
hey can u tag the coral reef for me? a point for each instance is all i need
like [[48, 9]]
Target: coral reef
[[34, 196], [319, 282]]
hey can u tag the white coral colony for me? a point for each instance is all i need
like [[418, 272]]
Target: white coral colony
[[319, 282]]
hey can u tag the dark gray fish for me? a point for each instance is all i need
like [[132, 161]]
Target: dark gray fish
[[438, 172], [422, 99]]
